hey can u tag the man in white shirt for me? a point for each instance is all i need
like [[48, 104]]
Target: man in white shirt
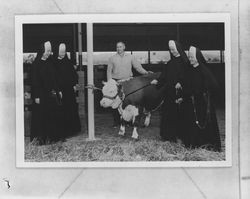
[[120, 67]]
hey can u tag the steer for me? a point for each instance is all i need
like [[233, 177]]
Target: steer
[[132, 97]]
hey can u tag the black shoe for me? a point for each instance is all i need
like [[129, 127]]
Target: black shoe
[[168, 139]]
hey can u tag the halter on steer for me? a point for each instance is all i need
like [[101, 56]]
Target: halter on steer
[[120, 93]]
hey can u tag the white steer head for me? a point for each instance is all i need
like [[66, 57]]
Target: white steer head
[[110, 93]]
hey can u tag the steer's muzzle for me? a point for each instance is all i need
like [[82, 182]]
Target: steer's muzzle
[[105, 102]]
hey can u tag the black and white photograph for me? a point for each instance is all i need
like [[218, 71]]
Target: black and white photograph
[[124, 99], [137, 92]]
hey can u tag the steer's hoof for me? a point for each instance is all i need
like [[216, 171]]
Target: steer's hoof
[[121, 133], [136, 139]]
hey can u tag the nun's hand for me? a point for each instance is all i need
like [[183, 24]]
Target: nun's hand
[[37, 100], [27, 95], [76, 87], [60, 94], [178, 86], [154, 82], [179, 100]]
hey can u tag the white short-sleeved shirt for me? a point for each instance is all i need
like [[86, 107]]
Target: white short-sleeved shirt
[[120, 66]]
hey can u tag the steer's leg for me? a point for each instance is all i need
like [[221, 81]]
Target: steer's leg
[[136, 121], [135, 134], [147, 119], [122, 127]]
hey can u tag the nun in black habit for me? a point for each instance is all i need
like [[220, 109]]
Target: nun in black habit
[[201, 125], [172, 78], [68, 80], [46, 125]]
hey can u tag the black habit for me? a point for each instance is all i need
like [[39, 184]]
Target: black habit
[[46, 123], [201, 127], [172, 113], [68, 78]]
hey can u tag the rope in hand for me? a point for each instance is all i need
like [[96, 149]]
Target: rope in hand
[[91, 86]]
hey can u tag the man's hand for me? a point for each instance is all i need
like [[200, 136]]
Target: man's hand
[[37, 100], [150, 72], [154, 82], [178, 86]]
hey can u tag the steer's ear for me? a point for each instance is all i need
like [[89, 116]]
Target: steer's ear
[[104, 83]]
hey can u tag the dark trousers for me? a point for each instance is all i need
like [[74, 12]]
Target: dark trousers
[[116, 114], [116, 117]]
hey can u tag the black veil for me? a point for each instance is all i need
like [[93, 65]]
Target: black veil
[[210, 80], [182, 53], [40, 52], [200, 58], [35, 68]]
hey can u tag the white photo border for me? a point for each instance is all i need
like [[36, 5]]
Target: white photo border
[[120, 18]]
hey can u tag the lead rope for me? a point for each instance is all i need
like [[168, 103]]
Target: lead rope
[[124, 96], [207, 112], [157, 106]]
